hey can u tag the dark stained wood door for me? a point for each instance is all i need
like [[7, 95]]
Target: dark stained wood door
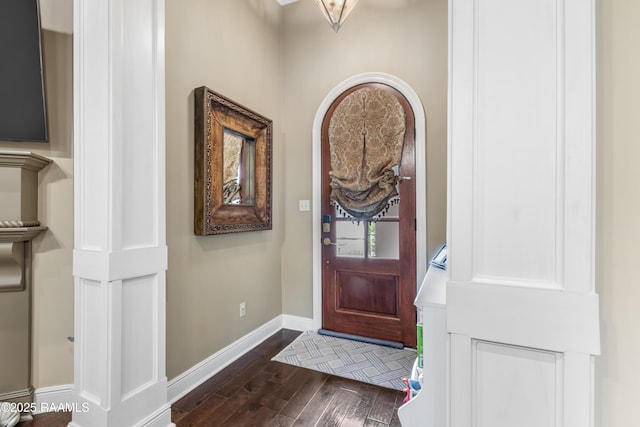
[[369, 268]]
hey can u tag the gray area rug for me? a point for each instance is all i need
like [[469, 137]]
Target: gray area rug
[[370, 363]]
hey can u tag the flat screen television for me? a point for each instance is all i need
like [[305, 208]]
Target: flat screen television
[[23, 114]]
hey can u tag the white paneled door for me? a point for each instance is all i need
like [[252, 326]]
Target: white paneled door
[[522, 313]]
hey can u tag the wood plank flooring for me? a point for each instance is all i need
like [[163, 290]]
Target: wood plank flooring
[[254, 391], [51, 419]]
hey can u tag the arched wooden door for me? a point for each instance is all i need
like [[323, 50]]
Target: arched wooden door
[[369, 267]]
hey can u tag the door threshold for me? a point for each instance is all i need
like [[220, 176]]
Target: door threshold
[[360, 338]]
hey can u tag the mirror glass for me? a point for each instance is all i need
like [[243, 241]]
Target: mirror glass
[[232, 174], [239, 154]]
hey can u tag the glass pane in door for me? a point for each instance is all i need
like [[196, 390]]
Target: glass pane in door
[[384, 239], [350, 239]]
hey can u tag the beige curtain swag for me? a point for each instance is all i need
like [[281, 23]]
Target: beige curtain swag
[[366, 134]]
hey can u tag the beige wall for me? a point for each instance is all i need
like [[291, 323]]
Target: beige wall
[[405, 38], [203, 290], [618, 213], [52, 251], [232, 47]]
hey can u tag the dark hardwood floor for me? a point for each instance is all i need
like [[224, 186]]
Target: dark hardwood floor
[[254, 391], [51, 419]]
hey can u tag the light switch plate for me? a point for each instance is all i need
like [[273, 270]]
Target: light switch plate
[[304, 205]]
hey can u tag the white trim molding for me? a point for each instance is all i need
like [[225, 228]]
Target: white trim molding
[[62, 398], [296, 323], [201, 372], [421, 194], [51, 399]]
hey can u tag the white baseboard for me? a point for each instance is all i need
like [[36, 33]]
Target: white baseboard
[[160, 418], [57, 396], [196, 375], [296, 323], [49, 399]]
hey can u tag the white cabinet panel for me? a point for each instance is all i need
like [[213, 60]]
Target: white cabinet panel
[[138, 345], [516, 145], [521, 309], [516, 386], [522, 142]]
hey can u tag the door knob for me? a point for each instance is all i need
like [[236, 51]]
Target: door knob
[[327, 241]]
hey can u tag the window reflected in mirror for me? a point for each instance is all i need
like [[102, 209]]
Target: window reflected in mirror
[[238, 155]]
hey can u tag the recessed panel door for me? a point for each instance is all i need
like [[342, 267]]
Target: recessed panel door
[[369, 276]]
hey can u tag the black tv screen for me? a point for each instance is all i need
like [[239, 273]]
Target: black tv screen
[[23, 114]]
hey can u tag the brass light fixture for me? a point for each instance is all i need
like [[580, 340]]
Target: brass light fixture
[[336, 11]]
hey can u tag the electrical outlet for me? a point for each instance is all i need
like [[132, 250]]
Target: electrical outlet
[[243, 309]]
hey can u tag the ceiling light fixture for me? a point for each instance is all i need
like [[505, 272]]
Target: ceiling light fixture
[[336, 11]]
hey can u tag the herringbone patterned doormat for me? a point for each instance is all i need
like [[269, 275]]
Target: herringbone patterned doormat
[[370, 363]]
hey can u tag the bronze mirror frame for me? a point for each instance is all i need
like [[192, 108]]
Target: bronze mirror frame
[[213, 114]]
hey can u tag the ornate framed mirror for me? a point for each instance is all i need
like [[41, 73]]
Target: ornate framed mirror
[[233, 149]]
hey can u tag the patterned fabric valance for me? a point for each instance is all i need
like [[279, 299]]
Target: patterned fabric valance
[[366, 134]]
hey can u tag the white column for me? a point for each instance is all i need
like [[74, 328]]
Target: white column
[[120, 255], [522, 312]]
